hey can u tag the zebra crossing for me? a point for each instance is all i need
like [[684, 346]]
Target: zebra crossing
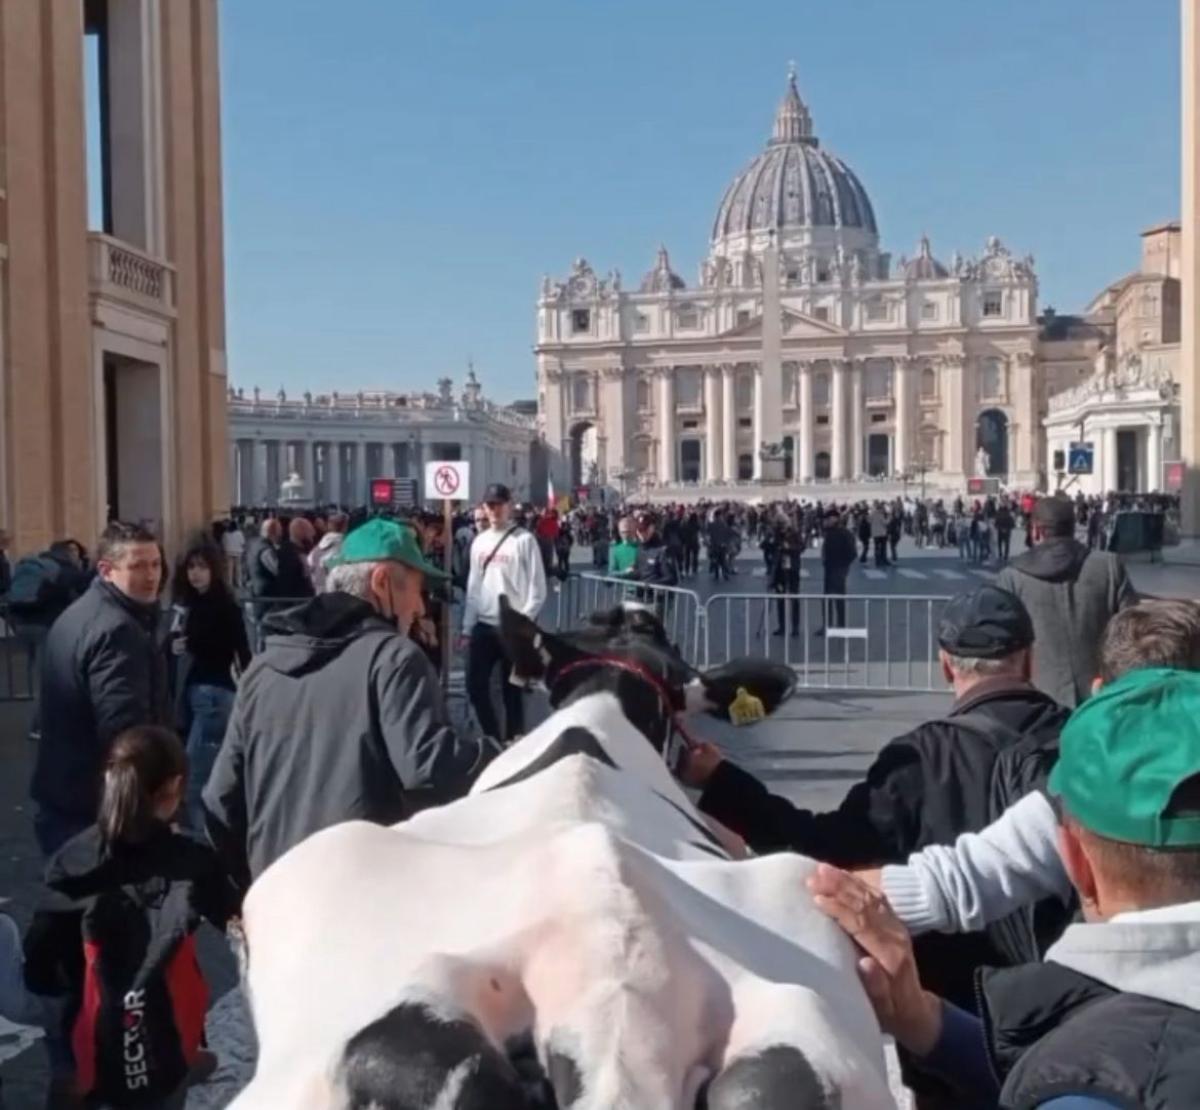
[[913, 574]]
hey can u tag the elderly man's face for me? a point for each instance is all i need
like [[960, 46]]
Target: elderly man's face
[[397, 592]]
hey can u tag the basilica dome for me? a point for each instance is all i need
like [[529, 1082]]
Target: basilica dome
[[794, 185]]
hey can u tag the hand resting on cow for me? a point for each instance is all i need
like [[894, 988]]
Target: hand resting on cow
[[569, 935]]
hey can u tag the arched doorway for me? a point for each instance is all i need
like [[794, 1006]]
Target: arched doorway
[[789, 458], [582, 453], [823, 468], [991, 436]]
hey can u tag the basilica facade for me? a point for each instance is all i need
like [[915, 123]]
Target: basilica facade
[[803, 354]]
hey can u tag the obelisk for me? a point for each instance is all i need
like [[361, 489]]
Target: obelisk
[[768, 395], [1189, 347]]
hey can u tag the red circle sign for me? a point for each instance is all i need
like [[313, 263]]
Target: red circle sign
[[445, 480]]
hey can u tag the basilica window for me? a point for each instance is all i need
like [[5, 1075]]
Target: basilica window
[[991, 380], [993, 303], [643, 395], [929, 382], [687, 388], [688, 317], [745, 467], [822, 272], [745, 392], [821, 312], [641, 323], [581, 394], [877, 309], [743, 316], [821, 389], [929, 310], [791, 383], [878, 382], [581, 320]]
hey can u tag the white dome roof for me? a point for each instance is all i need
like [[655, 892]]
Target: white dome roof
[[794, 183]]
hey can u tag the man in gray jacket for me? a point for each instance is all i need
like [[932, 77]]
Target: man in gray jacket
[[1070, 592], [341, 716]]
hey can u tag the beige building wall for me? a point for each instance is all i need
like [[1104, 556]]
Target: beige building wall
[[112, 343], [1189, 368]]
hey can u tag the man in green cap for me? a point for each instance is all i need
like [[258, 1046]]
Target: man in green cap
[[1111, 1018], [341, 716]]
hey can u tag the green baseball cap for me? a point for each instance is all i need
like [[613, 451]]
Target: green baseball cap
[[1126, 751], [380, 540]]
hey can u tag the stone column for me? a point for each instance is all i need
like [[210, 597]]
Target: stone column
[[1153, 459], [232, 473], [712, 424], [1024, 458], [259, 485], [902, 388], [951, 371], [358, 485], [334, 488], [310, 467], [839, 464], [666, 425], [729, 424], [804, 464], [857, 447], [614, 408], [1108, 459], [760, 420]]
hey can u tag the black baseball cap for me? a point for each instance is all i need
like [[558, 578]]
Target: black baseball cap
[[987, 623], [496, 492]]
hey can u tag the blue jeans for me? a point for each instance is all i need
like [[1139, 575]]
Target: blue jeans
[[209, 708]]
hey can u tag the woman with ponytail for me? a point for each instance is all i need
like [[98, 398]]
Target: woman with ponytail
[[114, 942]]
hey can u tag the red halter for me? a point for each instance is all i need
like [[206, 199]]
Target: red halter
[[639, 670]]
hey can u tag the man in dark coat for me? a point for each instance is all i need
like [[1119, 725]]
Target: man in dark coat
[[102, 672], [341, 716], [1070, 592], [837, 556], [945, 777], [1111, 1017]]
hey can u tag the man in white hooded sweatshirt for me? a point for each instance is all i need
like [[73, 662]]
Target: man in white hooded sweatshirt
[[505, 560]]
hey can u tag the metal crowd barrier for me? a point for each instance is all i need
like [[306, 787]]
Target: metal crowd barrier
[[681, 611], [832, 641], [18, 661]]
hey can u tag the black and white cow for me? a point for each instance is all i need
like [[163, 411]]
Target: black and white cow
[[572, 935]]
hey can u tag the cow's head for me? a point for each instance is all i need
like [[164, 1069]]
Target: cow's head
[[625, 651]]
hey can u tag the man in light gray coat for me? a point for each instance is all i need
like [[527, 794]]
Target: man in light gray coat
[[1070, 592]]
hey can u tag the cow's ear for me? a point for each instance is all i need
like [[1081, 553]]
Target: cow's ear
[[771, 683], [533, 653]]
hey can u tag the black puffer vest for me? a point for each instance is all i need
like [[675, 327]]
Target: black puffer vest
[[1052, 1031]]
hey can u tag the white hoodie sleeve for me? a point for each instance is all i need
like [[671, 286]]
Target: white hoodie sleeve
[[534, 572], [982, 876]]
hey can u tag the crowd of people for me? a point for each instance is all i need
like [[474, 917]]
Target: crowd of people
[[180, 753]]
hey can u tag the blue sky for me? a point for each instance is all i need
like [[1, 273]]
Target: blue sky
[[399, 175]]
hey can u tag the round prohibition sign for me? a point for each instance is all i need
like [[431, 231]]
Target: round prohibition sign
[[445, 480]]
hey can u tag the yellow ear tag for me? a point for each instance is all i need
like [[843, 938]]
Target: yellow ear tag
[[745, 709]]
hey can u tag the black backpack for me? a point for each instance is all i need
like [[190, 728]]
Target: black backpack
[[141, 1017], [40, 586]]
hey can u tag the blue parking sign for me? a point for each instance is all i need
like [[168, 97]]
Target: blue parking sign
[[1081, 458]]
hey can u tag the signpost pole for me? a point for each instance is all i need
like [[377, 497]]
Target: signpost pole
[[448, 544]]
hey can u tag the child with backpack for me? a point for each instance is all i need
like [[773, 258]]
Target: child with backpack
[[113, 946]]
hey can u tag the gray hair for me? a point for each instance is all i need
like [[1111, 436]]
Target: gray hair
[[984, 668], [351, 578]]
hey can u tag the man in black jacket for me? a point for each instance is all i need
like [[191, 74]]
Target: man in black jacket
[[946, 777], [837, 557], [1111, 1018], [341, 716], [102, 672]]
